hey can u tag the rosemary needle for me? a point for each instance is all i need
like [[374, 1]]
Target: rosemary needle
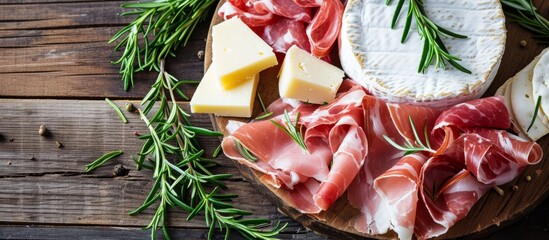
[[525, 13], [536, 110], [433, 46], [292, 130], [102, 160], [117, 110]]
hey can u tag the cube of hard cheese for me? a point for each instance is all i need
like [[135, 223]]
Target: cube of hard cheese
[[307, 78], [209, 97], [238, 53]]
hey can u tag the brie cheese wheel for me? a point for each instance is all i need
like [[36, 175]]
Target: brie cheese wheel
[[371, 52]]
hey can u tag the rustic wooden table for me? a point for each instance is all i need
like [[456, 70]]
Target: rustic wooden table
[[55, 70]]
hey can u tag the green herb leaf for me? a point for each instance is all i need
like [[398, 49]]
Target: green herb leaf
[[102, 160], [433, 46], [536, 110], [292, 130], [416, 146], [117, 110], [525, 13]]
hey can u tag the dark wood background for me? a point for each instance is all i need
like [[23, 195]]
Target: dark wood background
[[55, 70]]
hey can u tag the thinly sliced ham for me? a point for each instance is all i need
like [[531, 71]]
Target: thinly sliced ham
[[337, 148], [424, 193], [398, 187], [325, 26], [442, 204], [285, 33], [312, 25], [284, 8], [246, 12]]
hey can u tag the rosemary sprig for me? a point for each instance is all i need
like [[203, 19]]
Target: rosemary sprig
[[536, 110], [117, 110], [410, 147], [525, 13], [164, 25], [102, 160], [430, 32], [183, 177], [243, 151], [266, 113], [292, 130]]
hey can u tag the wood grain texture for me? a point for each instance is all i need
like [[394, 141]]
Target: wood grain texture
[[490, 212], [43, 184], [59, 49]]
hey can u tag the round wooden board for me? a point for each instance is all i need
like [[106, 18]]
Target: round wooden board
[[489, 213]]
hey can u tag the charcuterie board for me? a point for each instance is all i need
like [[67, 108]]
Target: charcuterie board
[[490, 212]]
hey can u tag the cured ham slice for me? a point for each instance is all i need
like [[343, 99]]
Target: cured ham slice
[[384, 119], [313, 25], [441, 206], [398, 187], [284, 8], [246, 12], [421, 194], [337, 148], [285, 33], [325, 26]]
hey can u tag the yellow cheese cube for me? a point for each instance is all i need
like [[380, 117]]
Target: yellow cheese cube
[[239, 53], [209, 97], [307, 78]]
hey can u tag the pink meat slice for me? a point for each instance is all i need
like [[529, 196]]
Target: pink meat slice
[[349, 146], [284, 8], [285, 33], [325, 26], [382, 119], [244, 10], [442, 204], [399, 187]]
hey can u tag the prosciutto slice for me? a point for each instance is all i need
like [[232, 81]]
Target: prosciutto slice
[[401, 201], [312, 25], [337, 149], [478, 156], [421, 194]]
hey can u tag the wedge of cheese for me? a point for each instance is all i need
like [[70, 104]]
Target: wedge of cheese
[[371, 52], [307, 78], [210, 97], [520, 99], [238, 53], [540, 81]]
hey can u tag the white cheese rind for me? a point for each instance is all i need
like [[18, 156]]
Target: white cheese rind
[[372, 55], [210, 97], [239, 53], [307, 78]]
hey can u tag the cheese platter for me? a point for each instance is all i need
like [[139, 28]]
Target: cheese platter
[[501, 206]]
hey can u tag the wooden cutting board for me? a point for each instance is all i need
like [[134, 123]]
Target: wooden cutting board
[[489, 213]]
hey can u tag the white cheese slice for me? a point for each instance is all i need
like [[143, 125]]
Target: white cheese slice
[[372, 55], [540, 81], [508, 103], [239, 53], [210, 97], [307, 78], [523, 103]]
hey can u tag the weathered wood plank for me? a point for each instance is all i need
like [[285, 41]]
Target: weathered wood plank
[[62, 52], [86, 128], [52, 188], [79, 232]]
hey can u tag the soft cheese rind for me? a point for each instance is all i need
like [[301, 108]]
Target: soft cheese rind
[[371, 52]]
